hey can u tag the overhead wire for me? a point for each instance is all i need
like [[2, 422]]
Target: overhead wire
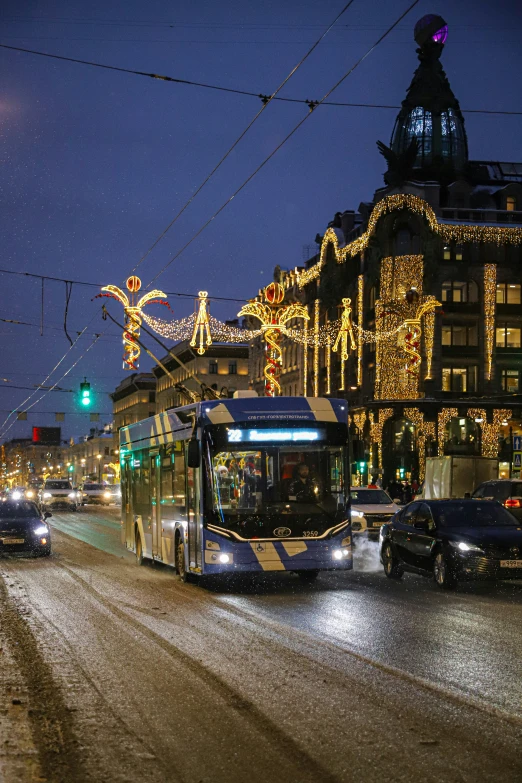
[[234, 91], [283, 142], [266, 101]]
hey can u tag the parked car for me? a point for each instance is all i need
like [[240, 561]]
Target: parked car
[[452, 540], [23, 528], [59, 493], [102, 494], [506, 491], [370, 508]]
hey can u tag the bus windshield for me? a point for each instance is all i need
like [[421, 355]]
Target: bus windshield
[[261, 481]]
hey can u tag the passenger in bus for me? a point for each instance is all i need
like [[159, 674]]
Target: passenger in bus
[[302, 489]]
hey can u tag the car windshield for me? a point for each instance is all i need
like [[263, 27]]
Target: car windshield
[[374, 496], [252, 480], [88, 487], [472, 514], [24, 509], [57, 485]]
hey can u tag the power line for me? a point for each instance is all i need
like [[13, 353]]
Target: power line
[[266, 101], [283, 142], [100, 285], [221, 88]]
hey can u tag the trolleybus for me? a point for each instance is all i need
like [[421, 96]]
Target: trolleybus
[[249, 484]]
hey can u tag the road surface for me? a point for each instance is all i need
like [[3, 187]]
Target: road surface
[[111, 672]]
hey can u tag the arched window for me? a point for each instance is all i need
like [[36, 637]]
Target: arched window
[[511, 203]]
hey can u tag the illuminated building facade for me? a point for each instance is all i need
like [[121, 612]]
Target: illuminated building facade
[[424, 378]]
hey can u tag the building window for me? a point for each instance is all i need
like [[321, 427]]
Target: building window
[[459, 379], [507, 336], [459, 291], [152, 396], [212, 367], [459, 334], [447, 253], [232, 368], [511, 203], [508, 293], [458, 253], [510, 381]]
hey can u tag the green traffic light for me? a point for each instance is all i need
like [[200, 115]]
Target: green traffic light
[[362, 465], [86, 400]]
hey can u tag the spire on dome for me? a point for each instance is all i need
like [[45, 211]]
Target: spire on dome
[[428, 140]]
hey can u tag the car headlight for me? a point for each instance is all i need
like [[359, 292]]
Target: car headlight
[[41, 531], [106, 494], [29, 493], [47, 495], [16, 495], [72, 495], [462, 546], [356, 513]]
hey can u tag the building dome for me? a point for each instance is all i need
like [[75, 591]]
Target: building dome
[[430, 120]]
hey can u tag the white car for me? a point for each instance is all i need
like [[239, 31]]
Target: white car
[[59, 492], [101, 494], [370, 508]]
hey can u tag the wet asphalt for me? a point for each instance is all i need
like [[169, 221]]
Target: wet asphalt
[[354, 677]]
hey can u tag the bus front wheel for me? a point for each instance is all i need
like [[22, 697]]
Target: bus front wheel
[[180, 561]]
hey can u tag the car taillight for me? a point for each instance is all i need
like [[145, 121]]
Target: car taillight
[[512, 503]]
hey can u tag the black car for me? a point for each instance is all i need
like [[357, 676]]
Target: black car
[[506, 491], [452, 540], [23, 529]]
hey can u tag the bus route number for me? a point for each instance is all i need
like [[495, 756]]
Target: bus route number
[[310, 533]]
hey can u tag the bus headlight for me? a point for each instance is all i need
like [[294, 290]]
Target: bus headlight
[[340, 554], [224, 558]]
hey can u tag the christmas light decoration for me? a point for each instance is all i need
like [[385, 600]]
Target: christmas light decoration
[[424, 430], [345, 331], [201, 325], [305, 356], [376, 428], [328, 363], [490, 299], [317, 315], [360, 324], [459, 234], [133, 311], [359, 421], [429, 333], [445, 415], [273, 317]]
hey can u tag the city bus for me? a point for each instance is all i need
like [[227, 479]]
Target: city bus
[[248, 484]]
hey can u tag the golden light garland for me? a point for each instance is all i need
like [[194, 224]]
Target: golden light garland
[[489, 430], [133, 311], [449, 233], [273, 316], [424, 430], [444, 416], [490, 300], [317, 315], [359, 420], [328, 363], [429, 335], [360, 324], [376, 428], [305, 357]]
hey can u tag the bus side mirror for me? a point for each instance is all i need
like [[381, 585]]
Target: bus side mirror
[[194, 454]]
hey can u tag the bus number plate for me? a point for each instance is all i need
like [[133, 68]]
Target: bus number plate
[[310, 533]]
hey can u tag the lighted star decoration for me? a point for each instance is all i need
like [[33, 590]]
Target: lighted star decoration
[[273, 316], [132, 308]]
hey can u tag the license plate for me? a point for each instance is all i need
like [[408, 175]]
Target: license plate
[[13, 540], [511, 563]]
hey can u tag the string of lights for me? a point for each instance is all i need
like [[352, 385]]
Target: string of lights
[[460, 234], [232, 90]]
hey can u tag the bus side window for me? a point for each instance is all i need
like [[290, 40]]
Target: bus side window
[[166, 483], [179, 479]]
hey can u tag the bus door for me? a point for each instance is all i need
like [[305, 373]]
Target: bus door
[[155, 508], [126, 503], [194, 517]]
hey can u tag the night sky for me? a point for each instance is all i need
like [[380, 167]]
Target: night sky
[[94, 164]]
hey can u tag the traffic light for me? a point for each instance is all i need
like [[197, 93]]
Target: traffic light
[[362, 466], [85, 393], [70, 468]]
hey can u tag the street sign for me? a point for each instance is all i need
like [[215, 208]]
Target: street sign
[[517, 442], [517, 460]]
